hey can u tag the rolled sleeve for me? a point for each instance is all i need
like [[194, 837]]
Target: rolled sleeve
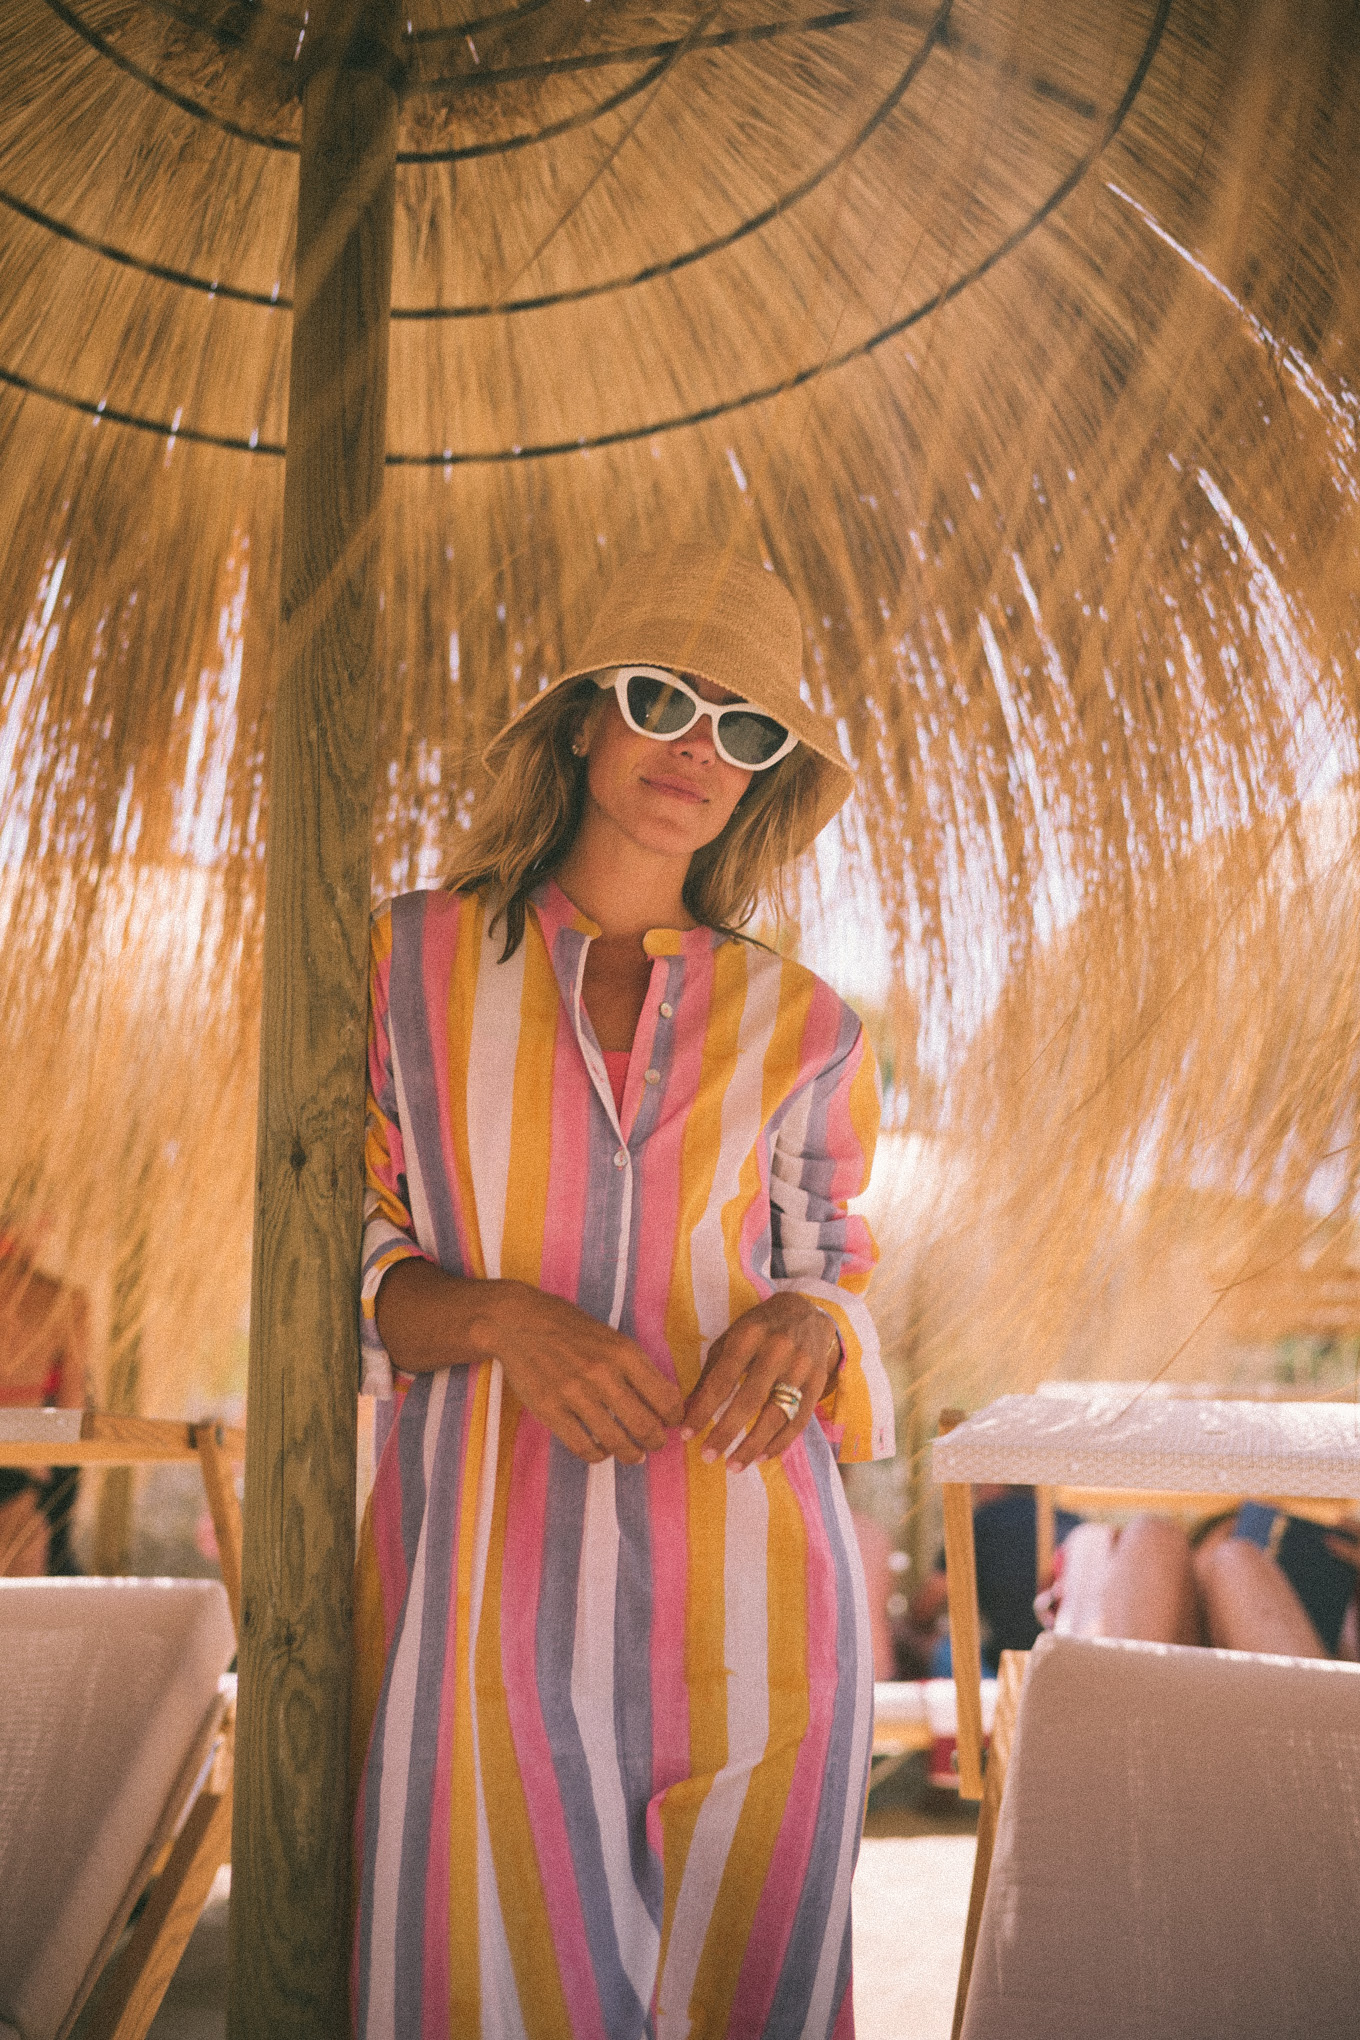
[[389, 1231], [820, 1249]]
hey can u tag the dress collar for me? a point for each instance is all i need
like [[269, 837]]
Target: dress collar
[[556, 912]]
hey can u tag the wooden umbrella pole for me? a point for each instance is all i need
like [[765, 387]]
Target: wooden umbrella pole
[[290, 1840]]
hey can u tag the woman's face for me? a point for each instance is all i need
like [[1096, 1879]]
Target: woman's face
[[669, 798]]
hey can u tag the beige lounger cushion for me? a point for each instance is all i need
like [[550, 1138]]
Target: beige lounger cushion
[[1243, 1448], [1178, 1852], [108, 1698]]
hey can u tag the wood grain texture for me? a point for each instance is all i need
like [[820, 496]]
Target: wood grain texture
[[220, 1489], [964, 1638], [290, 1853], [121, 1441], [1012, 1669], [130, 1999]]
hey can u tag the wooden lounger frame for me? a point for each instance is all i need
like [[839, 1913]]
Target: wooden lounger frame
[[961, 1567], [133, 1986]]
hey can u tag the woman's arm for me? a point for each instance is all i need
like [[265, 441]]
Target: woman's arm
[[814, 1332], [594, 1389]]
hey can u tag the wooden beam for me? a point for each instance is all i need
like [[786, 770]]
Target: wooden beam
[[220, 1488], [965, 1642], [965, 1629], [115, 1441], [1013, 1667], [289, 1934], [130, 1999]]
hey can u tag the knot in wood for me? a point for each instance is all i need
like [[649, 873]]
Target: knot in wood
[[297, 1158]]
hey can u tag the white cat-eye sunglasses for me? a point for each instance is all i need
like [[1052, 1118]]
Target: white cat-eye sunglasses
[[659, 704]]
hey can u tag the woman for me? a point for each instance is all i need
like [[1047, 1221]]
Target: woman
[[44, 1348], [614, 1682]]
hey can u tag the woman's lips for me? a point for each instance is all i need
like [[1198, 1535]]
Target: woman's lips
[[678, 787]]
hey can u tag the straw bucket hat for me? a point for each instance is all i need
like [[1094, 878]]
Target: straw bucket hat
[[697, 610]]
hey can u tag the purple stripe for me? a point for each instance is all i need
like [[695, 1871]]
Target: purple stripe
[[411, 1420], [554, 1645], [602, 1222], [633, 1674], [408, 1023], [410, 1460], [644, 1125], [793, 1993], [441, 1538], [818, 1164]]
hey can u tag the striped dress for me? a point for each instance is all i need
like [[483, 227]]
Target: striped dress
[[612, 1722]]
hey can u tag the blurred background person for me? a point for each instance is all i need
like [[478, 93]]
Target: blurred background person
[[44, 1356]]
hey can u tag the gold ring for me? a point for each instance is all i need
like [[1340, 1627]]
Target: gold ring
[[787, 1398]]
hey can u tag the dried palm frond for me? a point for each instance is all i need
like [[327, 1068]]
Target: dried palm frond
[[1020, 339]]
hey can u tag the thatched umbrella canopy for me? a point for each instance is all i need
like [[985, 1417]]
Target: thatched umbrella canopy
[[1022, 341]]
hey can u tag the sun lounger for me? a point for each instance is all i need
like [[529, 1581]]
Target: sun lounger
[[1177, 1848], [111, 1697], [1150, 1451]]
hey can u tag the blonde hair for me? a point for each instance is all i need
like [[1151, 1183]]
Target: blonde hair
[[526, 819]]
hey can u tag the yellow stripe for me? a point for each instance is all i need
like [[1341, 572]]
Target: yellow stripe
[[465, 2005], [767, 1793], [865, 1113], [705, 1486], [462, 998], [370, 1653], [779, 1073], [528, 1928]]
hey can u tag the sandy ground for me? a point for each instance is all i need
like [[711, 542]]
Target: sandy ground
[[911, 1897]]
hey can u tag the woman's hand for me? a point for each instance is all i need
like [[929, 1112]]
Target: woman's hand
[[593, 1388], [786, 1338]]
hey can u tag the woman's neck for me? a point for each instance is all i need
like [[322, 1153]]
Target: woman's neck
[[626, 888]]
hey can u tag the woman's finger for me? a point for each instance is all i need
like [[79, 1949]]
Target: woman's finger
[[728, 1359], [657, 1400], [651, 1387], [599, 1420], [771, 1436], [778, 1360]]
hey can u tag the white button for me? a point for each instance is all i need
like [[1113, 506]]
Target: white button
[[621, 1159], [667, 1010], [653, 1076]]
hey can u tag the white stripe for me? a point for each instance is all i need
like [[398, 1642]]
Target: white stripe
[[739, 1131], [746, 1652], [398, 1731], [821, 2007], [492, 1049], [604, 1091], [592, 1700]]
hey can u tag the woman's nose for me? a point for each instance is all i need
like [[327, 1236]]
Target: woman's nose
[[697, 741]]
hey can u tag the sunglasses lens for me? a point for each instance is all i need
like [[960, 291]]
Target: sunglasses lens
[[659, 709], [749, 738]]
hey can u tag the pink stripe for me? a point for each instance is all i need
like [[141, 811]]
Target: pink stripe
[[821, 1039], [667, 1484], [517, 1596], [568, 1153], [389, 1548], [844, 2028], [434, 2004], [774, 1916], [662, 1178]]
